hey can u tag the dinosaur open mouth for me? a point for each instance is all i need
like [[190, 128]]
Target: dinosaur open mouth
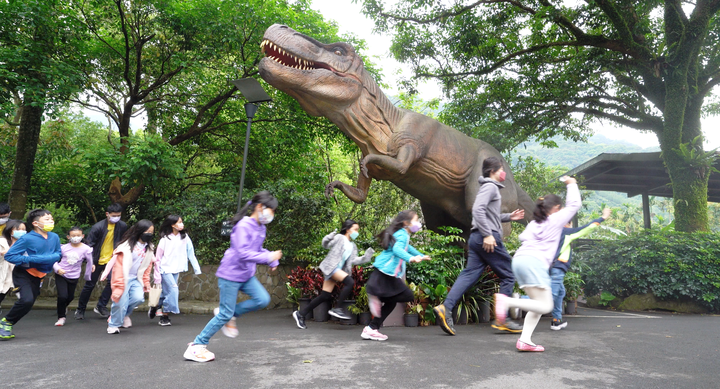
[[281, 56]]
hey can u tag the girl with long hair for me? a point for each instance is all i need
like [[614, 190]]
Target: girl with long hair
[[532, 261], [385, 287], [337, 267], [174, 251], [237, 273], [131, 265]]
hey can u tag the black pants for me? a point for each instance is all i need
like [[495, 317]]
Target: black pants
[[90, 285], [65, 293], [29, 290], [478, 259], [390, 304]]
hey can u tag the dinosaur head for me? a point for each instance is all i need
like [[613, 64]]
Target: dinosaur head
[[322, 78]]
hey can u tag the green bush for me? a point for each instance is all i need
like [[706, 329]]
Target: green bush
[[671, 265]]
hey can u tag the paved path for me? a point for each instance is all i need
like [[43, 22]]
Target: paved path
[[599, 349]]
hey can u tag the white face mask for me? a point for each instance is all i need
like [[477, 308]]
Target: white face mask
[[180, 226], [266, 216], [3, 220], [75, 239], [114, 219]]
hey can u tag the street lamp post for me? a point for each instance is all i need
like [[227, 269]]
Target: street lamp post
[[251, 89]]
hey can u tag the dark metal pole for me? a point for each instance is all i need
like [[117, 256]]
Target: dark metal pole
[[250, 110], [646, 210]]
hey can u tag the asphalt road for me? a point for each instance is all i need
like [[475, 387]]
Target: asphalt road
[[599, 349]]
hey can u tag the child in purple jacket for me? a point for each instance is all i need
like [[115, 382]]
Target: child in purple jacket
[[237, 273], [67, 271]]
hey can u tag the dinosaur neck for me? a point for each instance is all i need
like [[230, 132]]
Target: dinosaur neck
[[372, 119]]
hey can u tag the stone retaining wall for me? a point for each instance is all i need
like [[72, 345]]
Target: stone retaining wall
[[201, 287]]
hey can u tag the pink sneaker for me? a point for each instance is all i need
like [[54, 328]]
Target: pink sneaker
[[369, 333], [500, 308], [375, 305], [522, 346]]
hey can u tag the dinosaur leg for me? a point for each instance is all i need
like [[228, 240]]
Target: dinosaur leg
[[400, 165], [357, 195]]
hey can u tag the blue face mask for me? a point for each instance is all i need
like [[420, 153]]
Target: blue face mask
[[354, 235], [17, 234]]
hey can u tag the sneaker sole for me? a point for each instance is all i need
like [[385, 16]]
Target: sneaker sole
[[191, 358], [7, 337], [228, 334], [443, 324], [165, 324], [297, 321], [368, 337], [335, 315], [505, 329], [558, 328]]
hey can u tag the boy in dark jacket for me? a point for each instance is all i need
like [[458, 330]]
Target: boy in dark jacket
[[33, 256], [103, 237], [563, 259]]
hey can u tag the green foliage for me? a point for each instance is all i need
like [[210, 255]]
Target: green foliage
[[64, 218], [447, 253], [361, 303], [293, 294], [671, 265], [606, 298]]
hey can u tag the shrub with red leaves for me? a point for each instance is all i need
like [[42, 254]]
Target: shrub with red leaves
[[308, 280]]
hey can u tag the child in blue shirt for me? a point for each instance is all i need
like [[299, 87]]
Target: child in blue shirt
[[561, 265], [33, 256], [385, 284]]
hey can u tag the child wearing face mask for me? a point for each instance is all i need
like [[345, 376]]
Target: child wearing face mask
[[385, 286], [33, 256], [67, 271], [171, 258], [337, 267], [237, 273], [131, 265], [4, 216], [14, 230]]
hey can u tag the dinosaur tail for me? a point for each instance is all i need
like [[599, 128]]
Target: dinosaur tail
[[525, 203]]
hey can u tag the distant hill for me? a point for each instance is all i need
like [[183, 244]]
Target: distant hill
[[570, 154]]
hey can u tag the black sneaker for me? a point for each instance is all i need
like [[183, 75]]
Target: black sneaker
[[102, 311], [557, 325], [339, 313], [152, 312], [299, 319], [165, 320], [445, 320], [79, 314]]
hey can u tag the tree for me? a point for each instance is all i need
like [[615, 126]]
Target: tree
[[540, 68], [38, 72]]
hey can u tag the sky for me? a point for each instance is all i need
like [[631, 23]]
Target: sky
[[348, 16]]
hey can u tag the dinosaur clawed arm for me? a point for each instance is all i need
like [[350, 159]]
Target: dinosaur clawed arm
[[400, 165], [356, 194]]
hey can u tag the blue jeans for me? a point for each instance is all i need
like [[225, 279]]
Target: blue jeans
[[131, 298], [229, 307], [170, 294], [558, 291]]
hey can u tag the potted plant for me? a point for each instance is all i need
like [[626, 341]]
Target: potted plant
[[437, 296], [293, 296], [309, 281], [466, 309], [414, 308], [573, 289], [361, 307]]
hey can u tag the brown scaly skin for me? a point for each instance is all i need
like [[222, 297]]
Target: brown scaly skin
[[427, 159]]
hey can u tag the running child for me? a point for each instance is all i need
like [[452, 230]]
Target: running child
[[33, 256], [385, 287], [237, 273], [131, 265], [14, 230], [561, 265], [337, 267], [174, 251], [67, 271], [532, 261]]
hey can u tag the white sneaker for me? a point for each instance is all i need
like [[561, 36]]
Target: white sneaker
[[127, 323], [60, 322], [198, 353], [113, 330], [230, 328], [369, 333], [216, 311]]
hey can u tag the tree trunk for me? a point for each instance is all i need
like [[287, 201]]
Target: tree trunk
[[28, 138]]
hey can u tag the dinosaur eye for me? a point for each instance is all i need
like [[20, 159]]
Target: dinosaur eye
[[338, 52]]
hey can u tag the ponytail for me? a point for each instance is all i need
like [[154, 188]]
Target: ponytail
[[386, 237], [543, 205], [264, 198]]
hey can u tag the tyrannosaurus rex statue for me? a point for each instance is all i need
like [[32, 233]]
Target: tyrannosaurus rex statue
[[433, 162]]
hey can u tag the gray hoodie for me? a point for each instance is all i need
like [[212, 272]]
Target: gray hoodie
[[486, 216]]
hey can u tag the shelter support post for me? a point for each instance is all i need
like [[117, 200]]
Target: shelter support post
[[646, 209]]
